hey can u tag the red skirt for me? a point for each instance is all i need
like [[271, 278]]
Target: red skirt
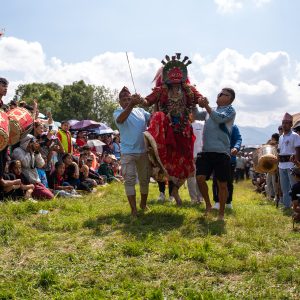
[[170, 151]]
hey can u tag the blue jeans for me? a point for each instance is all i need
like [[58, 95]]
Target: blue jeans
[[286, 183]]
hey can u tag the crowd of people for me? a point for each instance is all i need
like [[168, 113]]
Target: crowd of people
[[184, 139], [46, 163]]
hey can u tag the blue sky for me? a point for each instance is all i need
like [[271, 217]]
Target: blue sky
[[250, 44], [75, 30]]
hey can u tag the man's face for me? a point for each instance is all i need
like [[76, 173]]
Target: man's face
[[124, 101], [224, 98], [287, 125], [3, 89]]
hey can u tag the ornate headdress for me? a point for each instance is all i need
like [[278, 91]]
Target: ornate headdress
[[175, 70]]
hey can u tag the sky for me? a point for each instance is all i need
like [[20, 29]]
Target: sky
[[248, 45]]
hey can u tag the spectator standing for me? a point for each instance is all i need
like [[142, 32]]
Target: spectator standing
[[235, 144], [240, 168], [117, 147], [65, 137], [288, 142], [193, 188]]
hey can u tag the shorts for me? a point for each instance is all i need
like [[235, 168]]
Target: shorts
[[213, 162]]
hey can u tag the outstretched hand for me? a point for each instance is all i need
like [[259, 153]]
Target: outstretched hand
[[203, 102], [136, 99]]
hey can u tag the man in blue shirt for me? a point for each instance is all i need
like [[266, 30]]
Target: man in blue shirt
[[132, 122], [215, 155]]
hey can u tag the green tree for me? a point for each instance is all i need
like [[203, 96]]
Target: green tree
[[48, 96], [76, 102], [105, 102]]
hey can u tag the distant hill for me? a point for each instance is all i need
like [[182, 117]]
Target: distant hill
[[257, 135]]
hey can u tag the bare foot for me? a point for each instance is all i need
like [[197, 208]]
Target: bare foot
[[134, 214], [220, 217], [144, 207], [208, 210]]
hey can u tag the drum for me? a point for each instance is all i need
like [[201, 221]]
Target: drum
[[20, 123], [4, 129], [265, 159]]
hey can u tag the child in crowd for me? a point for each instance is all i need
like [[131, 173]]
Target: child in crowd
[[106, 168], [22, 190], [84, 177], [93, 174], [57, 184], [73, 178], [42, 173]]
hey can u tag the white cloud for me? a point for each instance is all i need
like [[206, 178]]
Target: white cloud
[[228, 6], [260, 3], [231, 6], [266, 84]]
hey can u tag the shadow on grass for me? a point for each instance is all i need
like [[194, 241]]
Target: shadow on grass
[[211, 227], [150, 222]]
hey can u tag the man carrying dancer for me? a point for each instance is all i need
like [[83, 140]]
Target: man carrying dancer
[[215, 155], [132, 122]]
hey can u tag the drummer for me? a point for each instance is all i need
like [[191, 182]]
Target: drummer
[[3, 153]]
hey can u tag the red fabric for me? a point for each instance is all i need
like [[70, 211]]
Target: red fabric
[[41, 192], [175, 149], [80, 142]]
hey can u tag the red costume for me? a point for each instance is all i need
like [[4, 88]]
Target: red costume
[[170, 135]]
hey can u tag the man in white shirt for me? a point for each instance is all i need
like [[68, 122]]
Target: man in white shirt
[[288, 142], [193, 188]]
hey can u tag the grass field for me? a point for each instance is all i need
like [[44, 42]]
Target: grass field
[[90, 248]]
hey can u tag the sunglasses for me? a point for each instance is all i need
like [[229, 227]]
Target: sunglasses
[[222, 94]]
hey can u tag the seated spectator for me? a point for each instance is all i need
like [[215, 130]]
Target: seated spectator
[[88, 152], [12, 104], [84, 177], [108, 147], [106, 168], [42, 173], [73, 178], [57, 183], [93, 174], [30, 157], [116, 167], [25, 189], [259, 181], [9, 185], [295, 193]]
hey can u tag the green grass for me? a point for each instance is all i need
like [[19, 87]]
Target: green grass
[[90, 248]]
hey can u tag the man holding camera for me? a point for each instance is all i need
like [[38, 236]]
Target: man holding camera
[[30, 157]]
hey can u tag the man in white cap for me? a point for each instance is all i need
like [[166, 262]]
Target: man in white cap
[[288, 142]]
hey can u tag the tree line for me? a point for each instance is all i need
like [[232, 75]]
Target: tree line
[[78, 100]]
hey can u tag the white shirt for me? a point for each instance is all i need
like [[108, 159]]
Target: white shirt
[[287, 146], [198, 132]]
